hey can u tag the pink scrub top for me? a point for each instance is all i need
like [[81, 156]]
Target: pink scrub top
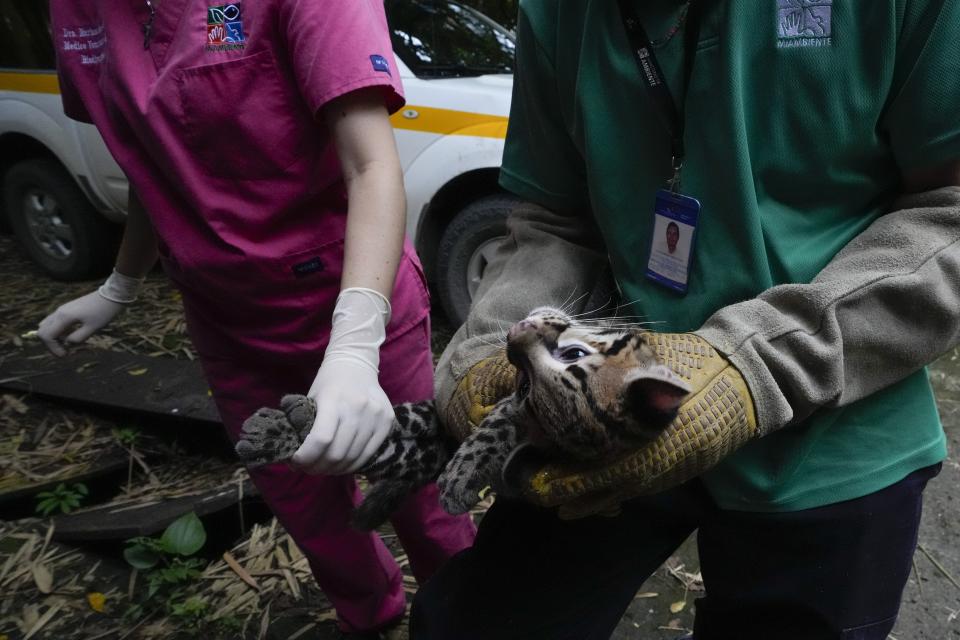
[[216, 126]]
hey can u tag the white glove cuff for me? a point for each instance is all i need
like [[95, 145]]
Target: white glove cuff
[[120, 288], [360, 319], [377, 299]]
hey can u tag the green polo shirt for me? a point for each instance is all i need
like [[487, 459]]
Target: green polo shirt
[[801, 117]]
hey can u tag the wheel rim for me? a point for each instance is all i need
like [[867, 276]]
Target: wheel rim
[[46, 225], [478, 262]]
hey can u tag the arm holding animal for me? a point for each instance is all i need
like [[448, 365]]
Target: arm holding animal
[[757, 366], [415, 453], [884, 307], [354, 415], [412, 455], [566, 252]]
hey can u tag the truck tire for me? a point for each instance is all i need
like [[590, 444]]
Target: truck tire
[[466, 247], [56, 224]]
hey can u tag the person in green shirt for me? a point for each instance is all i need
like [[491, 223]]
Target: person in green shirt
[[811, 149]]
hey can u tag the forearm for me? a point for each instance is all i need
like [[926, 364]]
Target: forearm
[[375, 226], [376, 203], [547, 259], [138, 248], [354, 414], [884, 307]]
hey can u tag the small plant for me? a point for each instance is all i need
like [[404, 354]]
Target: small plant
[[169, 570], [227, 627], [62, 499], [190, 613], [127, 436]]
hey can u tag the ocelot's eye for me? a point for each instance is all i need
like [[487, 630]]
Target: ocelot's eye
[[571, 353]]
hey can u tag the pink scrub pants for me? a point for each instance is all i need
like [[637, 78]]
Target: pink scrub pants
[[355, 570]]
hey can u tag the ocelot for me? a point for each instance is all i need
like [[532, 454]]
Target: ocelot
[[586, 390]]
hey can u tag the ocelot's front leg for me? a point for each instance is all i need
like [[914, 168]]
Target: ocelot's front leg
[[478, 461], [411, 456]]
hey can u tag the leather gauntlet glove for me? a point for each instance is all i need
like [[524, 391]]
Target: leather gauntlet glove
[[485, 384], [715, 420]]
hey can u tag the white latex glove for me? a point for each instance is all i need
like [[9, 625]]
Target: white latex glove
[[354, 415], [75, 321]]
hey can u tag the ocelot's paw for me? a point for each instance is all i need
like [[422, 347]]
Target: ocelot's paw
[[478, 461], [301, 412], [266, 437], [461, 483]]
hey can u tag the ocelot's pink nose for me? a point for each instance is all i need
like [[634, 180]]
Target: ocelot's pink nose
[[521, 328]]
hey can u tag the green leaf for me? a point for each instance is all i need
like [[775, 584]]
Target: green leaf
[[153, 544], [140, 557], [185, 535]]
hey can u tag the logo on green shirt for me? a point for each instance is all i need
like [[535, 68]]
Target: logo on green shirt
[[804, 23]]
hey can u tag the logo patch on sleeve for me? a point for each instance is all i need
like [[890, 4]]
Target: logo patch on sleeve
[[380, 64], [225, 28]]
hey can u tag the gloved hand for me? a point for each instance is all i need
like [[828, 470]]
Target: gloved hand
[[354, 415], [87, 314], [485, 384], [715, 419]]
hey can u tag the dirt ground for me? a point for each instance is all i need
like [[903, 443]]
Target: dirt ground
[[291, 606]]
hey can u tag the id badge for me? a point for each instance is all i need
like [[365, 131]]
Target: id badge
[[675, 218]]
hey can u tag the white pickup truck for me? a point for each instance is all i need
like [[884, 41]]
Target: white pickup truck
[[63, 195]]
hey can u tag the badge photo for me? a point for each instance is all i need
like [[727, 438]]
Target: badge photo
[[675, 219]]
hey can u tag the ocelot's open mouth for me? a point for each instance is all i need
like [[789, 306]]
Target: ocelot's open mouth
[[519, 359], [523, 383]]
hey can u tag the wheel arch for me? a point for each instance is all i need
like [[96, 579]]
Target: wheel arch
[[92, 240], [16, 147], [451, 198]]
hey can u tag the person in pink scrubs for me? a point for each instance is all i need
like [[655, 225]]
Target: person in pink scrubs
[[264, 174]]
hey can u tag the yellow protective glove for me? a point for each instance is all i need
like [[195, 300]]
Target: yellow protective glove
[[716, 419], [485, 384]]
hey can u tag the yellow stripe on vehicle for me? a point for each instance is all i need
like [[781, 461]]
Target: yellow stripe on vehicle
[[448, 122], [29, 82]]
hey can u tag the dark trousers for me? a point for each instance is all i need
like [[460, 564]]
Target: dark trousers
[[835, 572]]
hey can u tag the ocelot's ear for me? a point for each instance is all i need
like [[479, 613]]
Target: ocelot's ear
[[652, 395]]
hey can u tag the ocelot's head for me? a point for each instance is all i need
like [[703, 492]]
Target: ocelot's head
[[589, 389]]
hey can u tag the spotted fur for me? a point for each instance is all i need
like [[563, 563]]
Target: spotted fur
[[478, 461], [413, 454], [589, 390], [586, 391]]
